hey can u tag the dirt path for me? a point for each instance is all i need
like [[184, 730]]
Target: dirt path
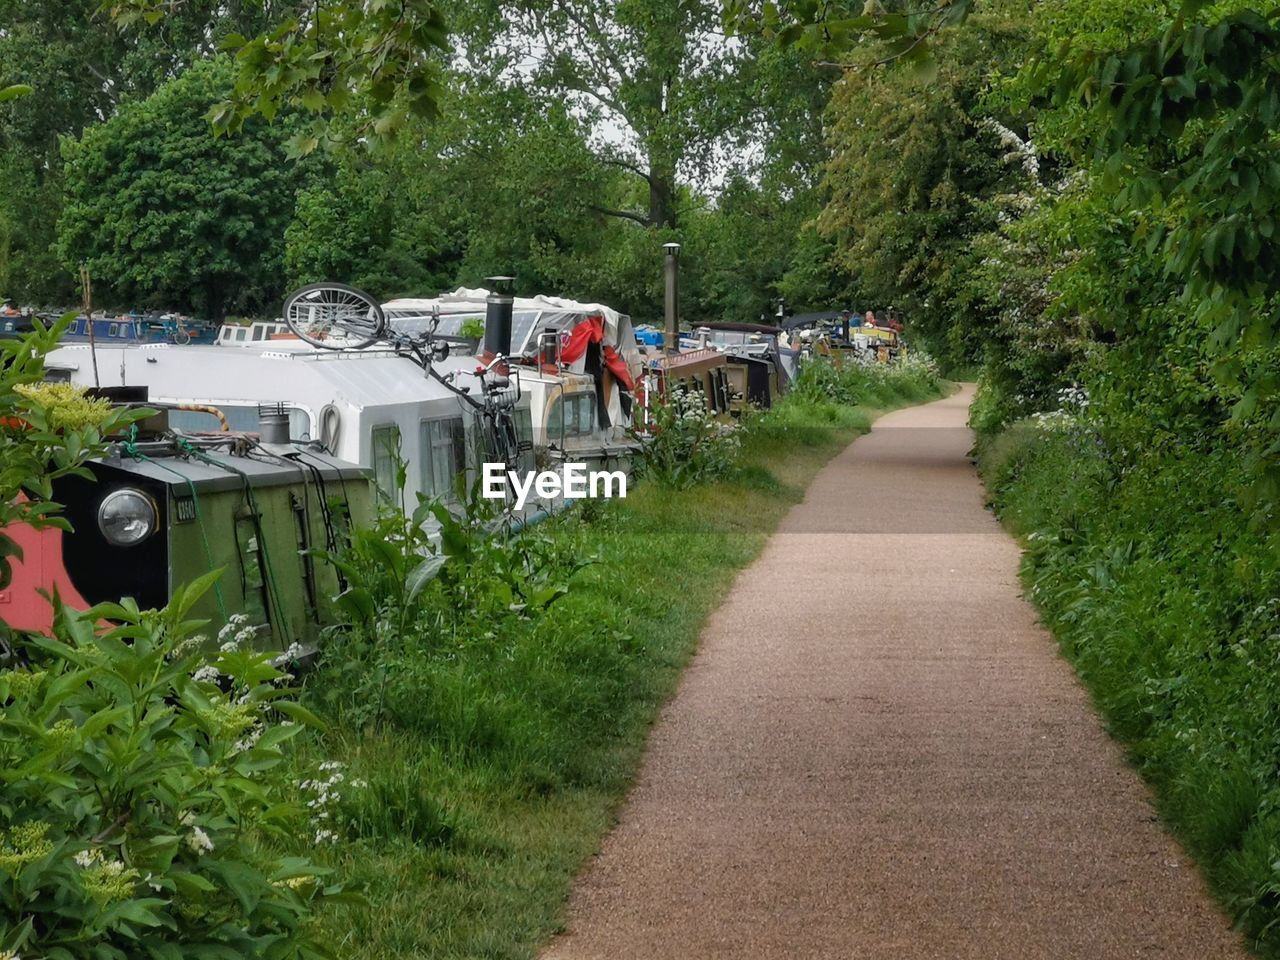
[[877, 753]]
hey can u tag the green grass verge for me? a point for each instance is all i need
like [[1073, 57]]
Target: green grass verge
[[1145, 568], [484, 803]]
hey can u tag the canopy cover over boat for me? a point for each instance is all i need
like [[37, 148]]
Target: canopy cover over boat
[[582, 327]]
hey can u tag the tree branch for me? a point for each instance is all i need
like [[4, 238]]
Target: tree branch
[[628, 165], [639, 218]]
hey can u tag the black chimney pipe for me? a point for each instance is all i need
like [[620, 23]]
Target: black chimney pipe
[[497, 316]]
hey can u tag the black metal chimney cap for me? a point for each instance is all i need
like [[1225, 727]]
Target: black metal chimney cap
[[505, 286]]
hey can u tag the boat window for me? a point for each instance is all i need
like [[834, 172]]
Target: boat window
[[385, 443], [259, 333], [240, 334], [113, 330], [239, 418], [443, 455], [579, 416]]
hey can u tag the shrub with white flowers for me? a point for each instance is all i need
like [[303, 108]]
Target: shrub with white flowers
[[139, 791], [1073, 406], [326, 793], [685, 443]]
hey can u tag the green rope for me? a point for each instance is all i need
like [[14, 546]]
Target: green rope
[[131, 450], [273, 590]]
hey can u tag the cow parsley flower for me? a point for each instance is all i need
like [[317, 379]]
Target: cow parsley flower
[[199, 841]]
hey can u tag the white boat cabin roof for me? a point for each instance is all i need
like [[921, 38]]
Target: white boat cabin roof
[[361, 379]]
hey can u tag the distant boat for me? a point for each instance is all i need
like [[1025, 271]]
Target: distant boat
[[116, 331]]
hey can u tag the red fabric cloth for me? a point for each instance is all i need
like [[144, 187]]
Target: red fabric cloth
[[618, 367], [590, 330]]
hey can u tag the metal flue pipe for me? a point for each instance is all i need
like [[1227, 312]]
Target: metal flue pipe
[[671, 340], [497, 315]]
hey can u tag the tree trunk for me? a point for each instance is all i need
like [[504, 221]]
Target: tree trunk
[[662, 211], [215, 304]]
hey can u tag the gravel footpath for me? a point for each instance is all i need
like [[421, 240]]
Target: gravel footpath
[[878, 753]]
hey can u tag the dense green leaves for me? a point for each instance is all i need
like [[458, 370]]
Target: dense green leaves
[[165, 213], [324, 59], [903, 31], [136, 793], [915, 176], [40, 440]]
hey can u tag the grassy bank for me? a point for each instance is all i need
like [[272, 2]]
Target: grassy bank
[[501, 754], [1145, 568]]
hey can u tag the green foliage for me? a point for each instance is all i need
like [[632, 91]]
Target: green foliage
[[914, 177], [80, 68], [685, 444], [44, 434], [906, 32], [137, 794], [656, 69], [415, 582], [161, 210], [1145, 567], [1178, 118], [324, 60], [912, 378]]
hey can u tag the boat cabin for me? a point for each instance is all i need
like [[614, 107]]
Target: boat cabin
[[368, 407], [152, 517]]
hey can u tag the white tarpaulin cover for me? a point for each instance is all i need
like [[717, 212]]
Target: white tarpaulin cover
[[530, 316]]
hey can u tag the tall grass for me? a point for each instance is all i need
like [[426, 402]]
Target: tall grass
[[506, 746], [1146, 569]]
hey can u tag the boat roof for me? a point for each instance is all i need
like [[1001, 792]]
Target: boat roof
[[739, 327], [224, 472], [360, 378], [411, 314]]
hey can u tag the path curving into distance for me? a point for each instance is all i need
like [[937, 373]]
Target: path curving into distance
[[878, 753]]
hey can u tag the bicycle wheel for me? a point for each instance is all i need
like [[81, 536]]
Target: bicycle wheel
[[334, 316]]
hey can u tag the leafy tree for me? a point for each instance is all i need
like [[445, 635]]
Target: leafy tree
[[904, 30], [655, 73], [1179, 110], [78, 68], [376, 59], [159, 209], [912, 179]]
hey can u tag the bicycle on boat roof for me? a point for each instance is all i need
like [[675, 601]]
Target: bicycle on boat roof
[[334, 316]]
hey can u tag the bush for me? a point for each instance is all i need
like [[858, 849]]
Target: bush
[[137, 794], [1147, 569], [912, 377], [686, 444]]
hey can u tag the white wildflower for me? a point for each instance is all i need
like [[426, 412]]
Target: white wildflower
[[199, 841], [249, 741], [207, 674]]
